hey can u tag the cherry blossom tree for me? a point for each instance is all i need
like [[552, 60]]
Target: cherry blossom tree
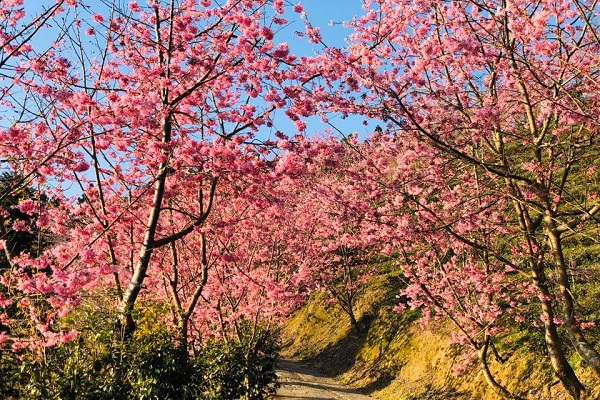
[[509, 89], [241, 269], [446, 232], [335, 205], [23, 38], [140, 128], [143, 111]]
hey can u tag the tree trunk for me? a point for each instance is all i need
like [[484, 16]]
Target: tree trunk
[[489, 378], [126, 322], [182, 344], [345, 301], [583, 347], [247, 375], [353, 322], [559, 362]]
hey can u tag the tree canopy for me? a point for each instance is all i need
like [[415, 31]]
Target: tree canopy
[[142, 169]]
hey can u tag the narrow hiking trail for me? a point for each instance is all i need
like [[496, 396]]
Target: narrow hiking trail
[[299, 382]]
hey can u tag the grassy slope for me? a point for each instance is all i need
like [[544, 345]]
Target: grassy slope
[[394, 358]]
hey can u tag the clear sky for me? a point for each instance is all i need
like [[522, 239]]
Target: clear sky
[[321, 13]]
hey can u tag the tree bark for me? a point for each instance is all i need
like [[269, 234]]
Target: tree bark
[[126, 321], [559, 362], [353, 321], [182, 344], [581, 344], [489, 378]]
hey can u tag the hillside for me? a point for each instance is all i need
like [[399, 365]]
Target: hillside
[[393, 357]]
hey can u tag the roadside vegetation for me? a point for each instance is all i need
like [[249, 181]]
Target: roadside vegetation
[[165, 205], [396, 357]]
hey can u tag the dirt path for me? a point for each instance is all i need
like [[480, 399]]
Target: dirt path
[[299, 382]]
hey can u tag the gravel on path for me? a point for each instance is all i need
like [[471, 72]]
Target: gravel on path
[[299, 382]]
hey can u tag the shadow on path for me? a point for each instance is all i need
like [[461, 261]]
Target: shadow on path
[[301, 382]]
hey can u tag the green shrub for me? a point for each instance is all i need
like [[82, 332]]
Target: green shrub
[[238, 370], [148, 368]]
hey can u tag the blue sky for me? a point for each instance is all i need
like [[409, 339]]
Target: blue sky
[[320, 13]]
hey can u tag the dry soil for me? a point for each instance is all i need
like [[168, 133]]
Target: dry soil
[[299, 382]]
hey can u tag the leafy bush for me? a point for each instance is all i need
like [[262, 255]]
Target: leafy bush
[[148, 368], [238, 370]]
